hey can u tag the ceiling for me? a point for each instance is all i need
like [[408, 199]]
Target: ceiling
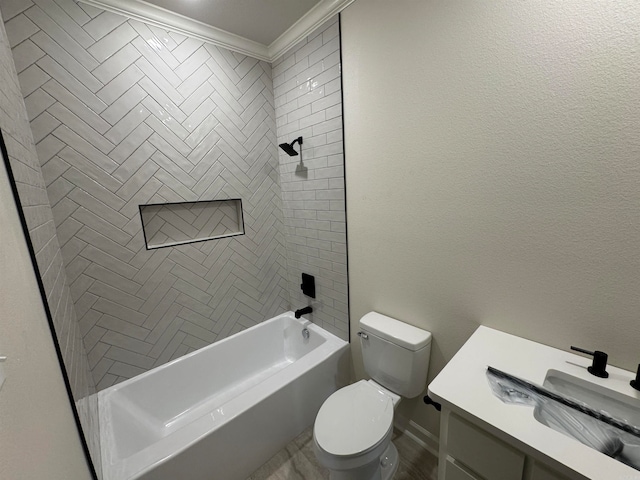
[[262, 21]]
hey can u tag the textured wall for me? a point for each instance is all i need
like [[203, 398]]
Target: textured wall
[[493, 170], [34, 407], [125, 114], [308, 101]]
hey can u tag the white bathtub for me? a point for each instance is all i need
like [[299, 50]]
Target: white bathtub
[[221, 412]]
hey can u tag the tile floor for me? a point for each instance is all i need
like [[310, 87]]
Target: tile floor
[[297, 461]]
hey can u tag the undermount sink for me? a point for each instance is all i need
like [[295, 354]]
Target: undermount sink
[[594, 433], [615, 404]]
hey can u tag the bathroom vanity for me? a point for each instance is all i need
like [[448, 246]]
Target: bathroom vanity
[[483, 438]]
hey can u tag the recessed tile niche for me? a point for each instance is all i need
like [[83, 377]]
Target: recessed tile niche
[[170, 224]]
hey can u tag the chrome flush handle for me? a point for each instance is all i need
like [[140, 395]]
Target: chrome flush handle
[[363, 335]]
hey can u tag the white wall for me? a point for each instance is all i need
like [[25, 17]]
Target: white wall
[[123, 114], [39, 219], [38, 436], [308, 100], [492, 170]]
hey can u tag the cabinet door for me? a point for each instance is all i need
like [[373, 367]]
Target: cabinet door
[[483, 453], [541, 472], [454, 472]]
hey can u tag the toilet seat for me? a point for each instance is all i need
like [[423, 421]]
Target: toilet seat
[[354, 420]]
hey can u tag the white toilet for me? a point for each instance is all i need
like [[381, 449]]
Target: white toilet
[[353, 429]]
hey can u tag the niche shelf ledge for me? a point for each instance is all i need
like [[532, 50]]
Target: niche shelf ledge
[[172, 224]]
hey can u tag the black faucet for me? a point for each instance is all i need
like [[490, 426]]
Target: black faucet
[[599, 366], [303, 311], [636, 382]]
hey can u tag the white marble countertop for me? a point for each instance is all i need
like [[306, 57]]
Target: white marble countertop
[[462, 387]]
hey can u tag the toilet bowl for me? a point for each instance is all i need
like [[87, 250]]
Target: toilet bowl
[[352, 433], [353, 429]]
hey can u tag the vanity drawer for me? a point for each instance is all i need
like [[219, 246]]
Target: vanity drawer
[[482, 453], [454, 472]]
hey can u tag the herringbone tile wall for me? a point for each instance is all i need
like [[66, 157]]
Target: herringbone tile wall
[[308, 97], [125, 114], [38, 215]]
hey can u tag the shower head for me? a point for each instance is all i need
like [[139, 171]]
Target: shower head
[[288, 148]]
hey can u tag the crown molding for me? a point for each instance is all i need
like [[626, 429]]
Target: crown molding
[[315, 17], [165, 19], [168, 20]]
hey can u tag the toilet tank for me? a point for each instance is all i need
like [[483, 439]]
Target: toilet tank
[[395, 354]]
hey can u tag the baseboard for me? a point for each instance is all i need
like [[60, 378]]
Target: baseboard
[[422, 437]]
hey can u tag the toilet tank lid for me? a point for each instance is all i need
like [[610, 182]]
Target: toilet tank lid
[[395, 331]]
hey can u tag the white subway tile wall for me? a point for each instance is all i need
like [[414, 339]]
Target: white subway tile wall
[[308, 100], [125, 114], [31, 186]]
